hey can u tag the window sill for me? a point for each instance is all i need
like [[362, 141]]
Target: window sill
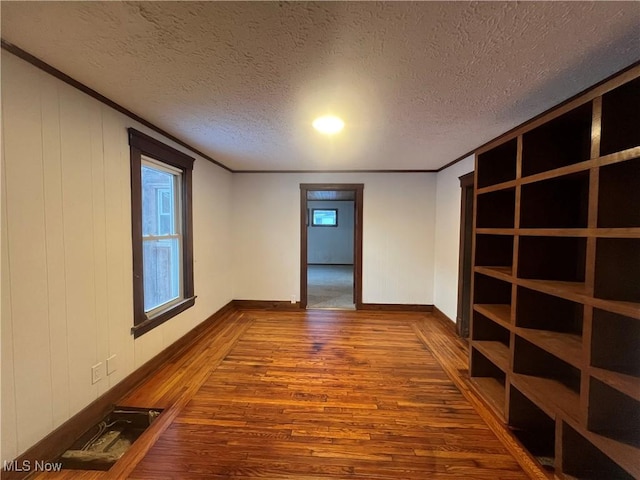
[[162, 316]]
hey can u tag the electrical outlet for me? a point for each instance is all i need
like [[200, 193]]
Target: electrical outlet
[[112, 365], [97, 372]]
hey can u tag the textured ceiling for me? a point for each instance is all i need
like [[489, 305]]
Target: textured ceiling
[[418, 84]]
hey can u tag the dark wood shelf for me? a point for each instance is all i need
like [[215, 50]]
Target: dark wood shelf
[[496, 352], [549, 395], [575, 291], [495, 231], [556, 282], [498, 186], [493, 391], [499, 313], [565, 346], [501, 273], [558, 172], [627, 384]]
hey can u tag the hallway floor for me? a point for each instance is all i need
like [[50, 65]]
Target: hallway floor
[[330, 286]]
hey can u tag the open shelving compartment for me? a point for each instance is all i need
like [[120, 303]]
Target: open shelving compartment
[[496, 209], [556, 293], [551, 323], [561, 202], [582, 459], [619, 195], [534, 428], [497, 165], [553, 383], [563, 141], [617, 274], [620, 118]]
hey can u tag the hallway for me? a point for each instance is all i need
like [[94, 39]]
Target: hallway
[[330, 286]]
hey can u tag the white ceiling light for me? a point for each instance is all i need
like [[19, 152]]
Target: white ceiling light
[[328, 124]]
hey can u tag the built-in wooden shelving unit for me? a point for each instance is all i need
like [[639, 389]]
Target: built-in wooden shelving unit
[[555, 334]]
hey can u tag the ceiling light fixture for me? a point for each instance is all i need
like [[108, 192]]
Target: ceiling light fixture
[[328, 124]]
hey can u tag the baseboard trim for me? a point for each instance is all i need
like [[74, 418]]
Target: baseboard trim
[[395, 307], [265, 305], [55, 443]]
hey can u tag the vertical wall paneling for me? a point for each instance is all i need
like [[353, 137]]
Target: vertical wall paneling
[[26, 242], [116, 218], [8, 427], [75, 139], [54, 224], [66, 253], [99, 241]]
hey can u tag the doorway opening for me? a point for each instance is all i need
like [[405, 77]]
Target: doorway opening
[[331, 246], [463, 318]]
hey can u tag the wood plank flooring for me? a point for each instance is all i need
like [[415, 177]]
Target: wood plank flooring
[[318, 395]]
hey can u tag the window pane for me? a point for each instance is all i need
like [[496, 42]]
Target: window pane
[[325, 217], [158, 193], [161, 271]]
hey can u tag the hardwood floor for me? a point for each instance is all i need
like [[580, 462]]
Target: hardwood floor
[[328, 395]]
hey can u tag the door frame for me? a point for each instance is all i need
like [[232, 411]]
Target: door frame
[[358, 188], [465, 255]]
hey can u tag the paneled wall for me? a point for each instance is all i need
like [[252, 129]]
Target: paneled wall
[[447, 242], [66, 252], [398, 236]]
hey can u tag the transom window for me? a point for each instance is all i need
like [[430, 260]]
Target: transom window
[[161, 231]]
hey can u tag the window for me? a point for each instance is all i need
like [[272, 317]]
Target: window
[[324, 217], [161, 232]]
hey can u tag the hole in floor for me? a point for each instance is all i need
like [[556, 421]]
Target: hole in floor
[[104, 443]]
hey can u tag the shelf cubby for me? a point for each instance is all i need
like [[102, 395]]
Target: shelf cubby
[[615, 342], [546, 312], [619, 195], [533, 427], [613, 414], [561, 202], [496, 209], [563, 141], [491, 339], [497, 165], [489, 379], [494, 250], [532, 360], [499, 313], [620, 118], [617, 274], [552, 258], [489, 290], [582, 460]]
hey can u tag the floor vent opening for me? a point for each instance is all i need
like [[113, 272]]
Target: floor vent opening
[[104, 443]]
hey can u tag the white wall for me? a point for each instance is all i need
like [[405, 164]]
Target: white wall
[[331, 245], [66, 252], [447, 241], [398, 236]]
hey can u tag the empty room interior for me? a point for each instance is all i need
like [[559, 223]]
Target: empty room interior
[[320, 240]]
